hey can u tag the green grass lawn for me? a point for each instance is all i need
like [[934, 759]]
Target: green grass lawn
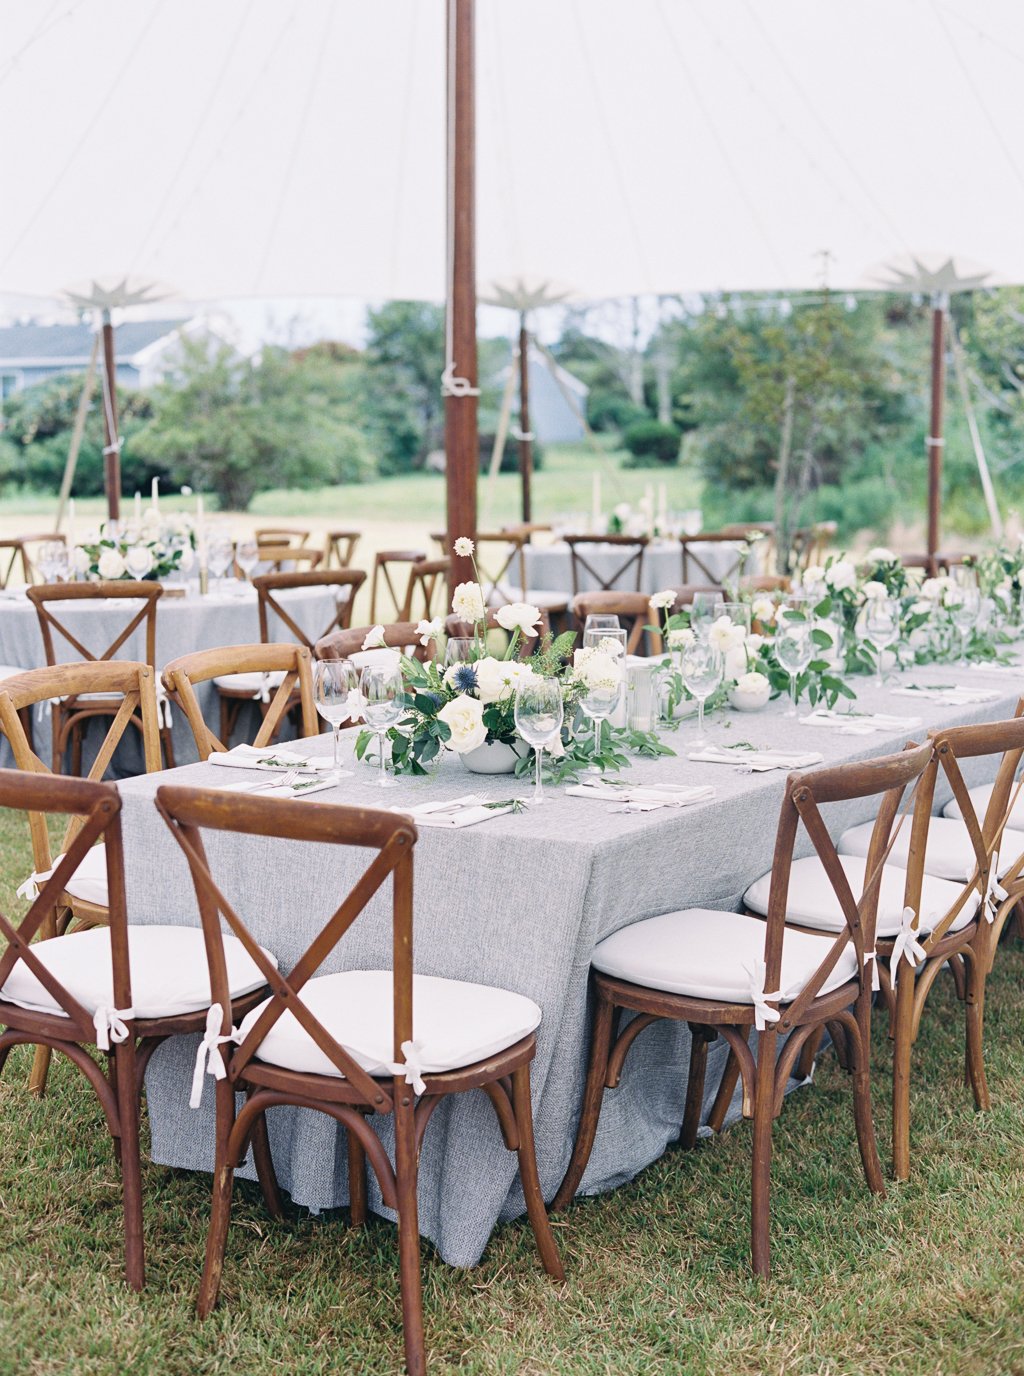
[[928, 1281]]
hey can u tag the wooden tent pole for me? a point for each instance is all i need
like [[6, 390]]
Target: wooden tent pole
[[935, 440], [112, 448], [77, 431], [525, 436], [462, 443]]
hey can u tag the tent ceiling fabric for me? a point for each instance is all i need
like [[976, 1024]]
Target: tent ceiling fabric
[[296, 147]]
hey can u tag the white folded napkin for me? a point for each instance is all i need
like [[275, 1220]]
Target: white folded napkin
[[272, 757], [457, 812], [848, 725], [646, 797], [299, 788], [1017, 670], [956, 696], [758, 761]]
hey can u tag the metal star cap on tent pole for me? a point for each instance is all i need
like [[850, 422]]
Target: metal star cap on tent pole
[[930, 274], [525, 294], [118, 295]]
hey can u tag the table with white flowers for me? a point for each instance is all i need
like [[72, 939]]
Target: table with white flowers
[[518, 902], [183, 624]]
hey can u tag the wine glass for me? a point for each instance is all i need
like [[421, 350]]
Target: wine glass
[[220, 553], [384, 703], [336, 694], [737, 612], [881, 629], [704, 609], [538, 717], [964, 614], [247, 556], [701, 666], [460, 650], [604, 680], [600, 621], [794, 649], [49, 560]]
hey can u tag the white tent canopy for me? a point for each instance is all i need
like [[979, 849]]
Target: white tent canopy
[[296, 147]]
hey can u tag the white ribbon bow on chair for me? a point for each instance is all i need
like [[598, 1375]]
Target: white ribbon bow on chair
[[412, 1067], [872, 957], [110, 1025], [996, 893], [208, 1055], [906, 944], [763, 1014]]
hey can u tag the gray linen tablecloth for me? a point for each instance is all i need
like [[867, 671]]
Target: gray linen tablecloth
[[183, 625], [517, 902], [549, 567]]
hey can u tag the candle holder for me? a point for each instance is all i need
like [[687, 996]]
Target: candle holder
[[204, 580]]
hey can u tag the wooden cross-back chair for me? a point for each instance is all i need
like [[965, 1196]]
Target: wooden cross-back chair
[[70, 713], [282, 535], [342, 1067], [688, 591], [428, 589], [277, 677], [340, 548], [397, 635], [633, 610], [17, 547], [83, 903], [809, 544], [386, 566], [583, 548], [729, 974], [700, 566], [278, 555], [106, 989], [345, 582]]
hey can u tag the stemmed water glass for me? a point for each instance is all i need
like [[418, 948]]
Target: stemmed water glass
[[336, 694], [247, 556], [603, 694], [701, 666], [600, 621], [52, 561], [794, 649], [737, 612], [538, 716], [459, 650], [383, 705], [220, 552], [704, 609], [881, 629]]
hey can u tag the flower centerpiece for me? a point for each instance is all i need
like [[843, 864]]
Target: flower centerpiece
[[152, 548]]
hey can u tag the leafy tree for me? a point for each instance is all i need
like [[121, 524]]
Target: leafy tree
[[402, 382], [236, 426]]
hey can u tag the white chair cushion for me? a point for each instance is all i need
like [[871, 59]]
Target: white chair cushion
[[812, 901], [89, 881], [253, 684], [948, 854], [168, 971], [9, 670], [709, 954], [381, 658], [543, 598], [979, 797], [454, 1024]]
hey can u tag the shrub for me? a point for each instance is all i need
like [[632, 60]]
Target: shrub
[[649, 439]]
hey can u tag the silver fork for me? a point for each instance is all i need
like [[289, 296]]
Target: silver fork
[[280, 781]]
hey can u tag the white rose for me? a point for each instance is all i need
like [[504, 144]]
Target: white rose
[[726, 635], [763, 608], [464, 547], [681, 639], [932, 589], [519, 616], [497, 678], [812, 577], [880, 555], [923, 608], [753, 683], [754, 642], [597, 669], [841, 575], [464, 718], [875, 592], [139, 560], [661, 601], [468, 602], [623, 512], [111, 565], [80, 560], [429, 630], [375, 639]]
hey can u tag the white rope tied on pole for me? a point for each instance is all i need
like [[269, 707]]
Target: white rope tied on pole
[[934, 441], [452, 385]]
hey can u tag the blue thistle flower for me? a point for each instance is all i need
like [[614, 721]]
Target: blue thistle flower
[[435, 698], [465, 678]]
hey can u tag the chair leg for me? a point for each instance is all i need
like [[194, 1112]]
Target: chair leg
[[538, 1215], [761, 1159], [975, 1006], [862, 1116], [902, 1046], [593, 1093], [726, 1089], [131, 1166], [265, 1173], [76, 749], [166, 740], [40, 1072], [220, 1209], [805, 1065], [356, 1181], [406, 1174], [699, 1039], [225, 722]]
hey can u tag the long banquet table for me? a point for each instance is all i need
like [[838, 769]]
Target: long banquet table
[[518, 901], [183, 624], [549, 567]]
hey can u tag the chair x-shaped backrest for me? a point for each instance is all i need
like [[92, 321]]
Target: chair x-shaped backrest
[[134, 682], [188, 811], [694, 557], [634, 545], [95, 809], [269, 585], [508, 549], [148, 593]]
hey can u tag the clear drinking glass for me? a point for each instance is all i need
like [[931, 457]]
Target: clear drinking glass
[[460, 650], [794, 649], [49, 559], [220, 554], [881, 629], [247, 556], [603, 696], [600, 621], [965, 615], [704, 609], [335, 692], [382, 690], [737, 612], [538, 715], [701, 665]]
